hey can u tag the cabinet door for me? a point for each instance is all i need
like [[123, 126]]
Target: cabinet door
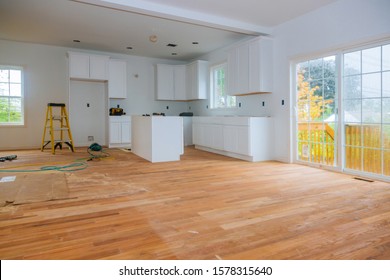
[[179, 73], [78, 65], [260, 67], [115, 132], [117, 81], [243, 69], [191, 81], [236, 139], [216, 132], [230, 134], [243, 141], [165, 84], [126, 132], [98, 67], [232, 71]]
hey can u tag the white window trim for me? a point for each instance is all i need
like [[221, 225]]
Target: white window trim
[[22, 97], [212, 96]]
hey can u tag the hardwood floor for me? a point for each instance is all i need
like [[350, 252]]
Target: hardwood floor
[[205, 206]]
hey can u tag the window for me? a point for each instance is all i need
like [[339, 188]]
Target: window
[[218, 88], [11, 95]]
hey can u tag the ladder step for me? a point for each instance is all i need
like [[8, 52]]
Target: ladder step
[[56, 104], [58, 129], [62, 141]]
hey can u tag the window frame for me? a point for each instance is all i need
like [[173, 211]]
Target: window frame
[[213, 104], [22, 96]]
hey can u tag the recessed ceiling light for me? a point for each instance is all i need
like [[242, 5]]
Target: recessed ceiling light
[[76, 41], [172, 45], [153, 38]]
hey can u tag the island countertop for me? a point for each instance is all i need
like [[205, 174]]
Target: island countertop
[[157, 138]]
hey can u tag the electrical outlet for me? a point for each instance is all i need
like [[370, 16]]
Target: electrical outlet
[[90, 138]]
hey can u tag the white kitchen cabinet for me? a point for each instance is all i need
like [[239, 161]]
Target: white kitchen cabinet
[[88, 66], [197, 80], [182, 82], [250, 67], [247, 138], [207, 134], [117, 79], [120, 131], [171, 82]]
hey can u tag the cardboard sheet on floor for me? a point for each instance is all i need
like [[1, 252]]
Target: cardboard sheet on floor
[[33, 187]]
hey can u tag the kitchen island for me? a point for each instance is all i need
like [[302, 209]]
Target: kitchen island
[[157, 138]]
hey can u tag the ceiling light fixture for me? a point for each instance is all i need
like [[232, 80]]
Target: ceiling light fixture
[[153, 38]]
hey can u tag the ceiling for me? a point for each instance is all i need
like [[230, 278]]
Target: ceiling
[[125, 26]]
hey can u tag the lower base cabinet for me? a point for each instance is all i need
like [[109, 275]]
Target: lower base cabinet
[[246, 138], [119, 132]]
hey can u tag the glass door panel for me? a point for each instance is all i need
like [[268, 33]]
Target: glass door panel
[[366, 95], [316, 107]]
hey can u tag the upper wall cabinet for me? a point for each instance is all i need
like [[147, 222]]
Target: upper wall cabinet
[[117, 79], [182, 82], [250, 67], [171, 84], [197, 80], [88, 66]]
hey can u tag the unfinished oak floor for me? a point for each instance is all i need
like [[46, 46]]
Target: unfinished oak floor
[[205, 206]]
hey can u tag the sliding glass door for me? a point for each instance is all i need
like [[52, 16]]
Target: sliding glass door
[[364, 117]]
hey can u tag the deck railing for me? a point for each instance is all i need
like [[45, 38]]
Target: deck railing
[[362, 146], [316, 141]]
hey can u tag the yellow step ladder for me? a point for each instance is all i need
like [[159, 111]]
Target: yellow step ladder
[[57, 137]]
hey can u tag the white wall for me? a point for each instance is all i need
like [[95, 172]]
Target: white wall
[[340, 25], [46, 80]]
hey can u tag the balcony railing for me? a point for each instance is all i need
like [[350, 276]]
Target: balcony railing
[[363, 152]]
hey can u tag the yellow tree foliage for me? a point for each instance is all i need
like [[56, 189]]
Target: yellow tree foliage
[[310, 106]]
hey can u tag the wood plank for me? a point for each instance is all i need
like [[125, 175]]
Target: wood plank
[[205, 206]]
